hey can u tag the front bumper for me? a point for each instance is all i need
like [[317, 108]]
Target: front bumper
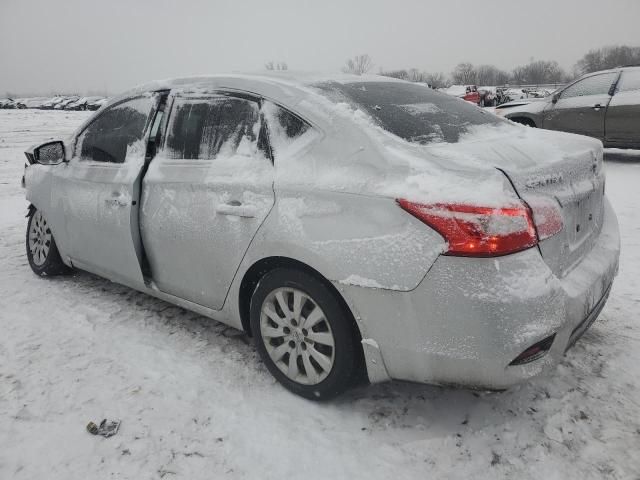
[[469, 318]]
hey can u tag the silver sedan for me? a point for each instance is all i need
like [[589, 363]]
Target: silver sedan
[[357, 227]]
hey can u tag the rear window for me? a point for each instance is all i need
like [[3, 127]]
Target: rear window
[[413, 112]]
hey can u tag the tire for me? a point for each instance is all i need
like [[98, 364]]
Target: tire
[[524, 121], [319, 371], [42, 252]]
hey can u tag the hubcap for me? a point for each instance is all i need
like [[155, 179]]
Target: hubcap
[[297, 336], [39, 239]]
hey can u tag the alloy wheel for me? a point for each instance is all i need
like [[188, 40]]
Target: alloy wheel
[[297, 336]]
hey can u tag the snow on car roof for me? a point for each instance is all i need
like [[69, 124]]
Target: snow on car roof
[[283, 85]]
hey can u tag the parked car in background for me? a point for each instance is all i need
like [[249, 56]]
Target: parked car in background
[[471, 94], [78, 104], [604, 105], [487, 96], [48, 105], [32, 102], [349, 224], [7, 103], [66, 101], [468, 93], [96, 102]]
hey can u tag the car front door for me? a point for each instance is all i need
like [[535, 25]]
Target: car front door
[[581, 107], [96, 193], [205, 194], [622, 124]]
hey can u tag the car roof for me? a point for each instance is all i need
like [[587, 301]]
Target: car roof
[[286, 87], [614, 70]]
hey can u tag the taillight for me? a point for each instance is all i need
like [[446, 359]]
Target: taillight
[[476, 231], [546, 216]]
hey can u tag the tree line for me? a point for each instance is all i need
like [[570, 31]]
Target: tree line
[[532, 73]]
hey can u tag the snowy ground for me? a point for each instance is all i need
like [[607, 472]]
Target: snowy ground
[[196, 402]]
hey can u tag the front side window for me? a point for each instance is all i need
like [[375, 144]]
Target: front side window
[[116, 133], [630, 81], [596, 85], [212, 128]]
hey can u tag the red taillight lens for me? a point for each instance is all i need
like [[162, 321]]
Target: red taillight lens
[[546, 216], [477, 231]]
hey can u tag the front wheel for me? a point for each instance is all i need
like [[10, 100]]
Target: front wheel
[[303, 334], [42, 252]]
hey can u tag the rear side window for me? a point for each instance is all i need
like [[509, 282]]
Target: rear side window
[[596, 85], [630, 81], [411, 111], [284, 127], [213, 127], [116, 133]]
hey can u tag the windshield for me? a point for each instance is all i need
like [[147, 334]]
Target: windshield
[[411, 111]]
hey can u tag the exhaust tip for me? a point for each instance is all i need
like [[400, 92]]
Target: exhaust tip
[[534, 352]]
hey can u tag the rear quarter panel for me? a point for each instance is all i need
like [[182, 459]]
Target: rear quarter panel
[[349, 238]]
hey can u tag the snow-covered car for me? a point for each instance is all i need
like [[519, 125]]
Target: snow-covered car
[[96, 102], [468, 93], [78, 104], [32, 102], [66, 101], [7, 103], [350, 224], [487, 96], [603, 105], [50, 104]]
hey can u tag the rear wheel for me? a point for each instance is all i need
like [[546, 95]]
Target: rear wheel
[[303, 334], [42, 252]]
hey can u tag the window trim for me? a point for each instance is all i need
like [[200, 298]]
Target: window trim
[[102, 112], [229, 92]]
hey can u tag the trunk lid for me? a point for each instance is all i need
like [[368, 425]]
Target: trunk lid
[[551, 168]]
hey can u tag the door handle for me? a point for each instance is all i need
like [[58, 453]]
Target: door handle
[[114, 202], [237, 209], [597, 107]]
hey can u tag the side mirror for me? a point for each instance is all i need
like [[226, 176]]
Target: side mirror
[[555, 98], [51, 153]]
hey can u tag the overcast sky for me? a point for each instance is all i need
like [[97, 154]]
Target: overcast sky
[[79, 45]]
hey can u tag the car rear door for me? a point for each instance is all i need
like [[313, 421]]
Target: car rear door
[[581, 107], [205, 194], [622, 123], [96, 193]]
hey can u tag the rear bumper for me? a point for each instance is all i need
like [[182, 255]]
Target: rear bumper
[[469, 318]]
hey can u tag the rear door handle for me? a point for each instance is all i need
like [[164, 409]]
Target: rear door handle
[[597, 107], [237, 209]]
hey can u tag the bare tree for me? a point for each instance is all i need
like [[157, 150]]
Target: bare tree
[[415, 75], [607, 57], [271, 65], [539, 71], [358, 65], [436, 80], [401, 74], [491, 75], [464, 74]]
